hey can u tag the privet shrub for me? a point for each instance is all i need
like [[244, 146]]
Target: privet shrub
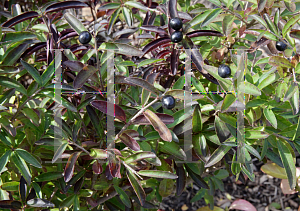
[[65, 145]]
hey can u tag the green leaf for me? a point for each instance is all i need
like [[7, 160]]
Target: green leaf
[[14, 54], [214, 13], [139, 156], [274, 170], [228, 101], [32, 71], [157, 174], [67, 202], [48, 176], [290, 92], [270, 116], [197, 178], [10, 186], [148, 61], [268, 80], [13, 37], [4, 159], [98, 153], [259, 19], [112, 20], [49, 72], [291, 22], [172, 148], [227, 24], [279, 61], [59, 152], [217, 155], [74, 23], [5, 140], [197, 121], [22, 166], [254, 134], [128, 16], [83, 76], [270, 24], [251, 89], [120, 48], [28, 157], [137, 187], [109, 6], [123, 196], [137, 5], [288, 163], [37, 189], [199, 18], [253, 151], [11, 83]]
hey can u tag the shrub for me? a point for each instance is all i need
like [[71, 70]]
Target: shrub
[[80, 151]]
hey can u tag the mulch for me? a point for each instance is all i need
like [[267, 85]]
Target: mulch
[[264, 194]]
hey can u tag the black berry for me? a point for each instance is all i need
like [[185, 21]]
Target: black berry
[[85, 37], [168, 102], [224, 71], [176, 36], [280, 46], [176, 24]]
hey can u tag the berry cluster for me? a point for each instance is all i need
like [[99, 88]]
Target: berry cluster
[[176, 24]]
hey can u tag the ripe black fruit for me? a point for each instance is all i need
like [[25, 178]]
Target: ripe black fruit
[[224, 71], [168, 102], [85, 37], [280, 46], [176, 36], [176, 24]]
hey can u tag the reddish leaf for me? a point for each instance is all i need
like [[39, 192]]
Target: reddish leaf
[[69, 35], [174, 61], [163, 53], [69, 170], [263, 41], [102, 106], [158, 125], [241, 204], [142, 120], [199, 33], [83, 76], [132, 133], [74, 65], [20, 18], [155, 29], [33, 49], [145, 36], [129, 141], [115, 166], [155, 43], [65, 5], [97, 168]]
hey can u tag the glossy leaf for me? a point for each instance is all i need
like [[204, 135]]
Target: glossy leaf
[[173, 149], [128, 16], [65, 5], [74, 23], [274, 170], [158, 125], [214, 13], [48, 176], [14, 54], [83, 76], [137, 5], [22, 166], [291, 22], [139, 156], [11, 186], [158, 174], [181, 180], [137, 187], [102, 106], [155, 43], [20, 18], [123, 196], [69, 170], [270, 24], [148, 61], [217, 155], [112, 20], [251, 89], [270, 116], [129, 141], [59, 152], [197, 120], [14, 37], [10, 204], [28, 157], [40, 203], [120, 48], [288, 163], [4, 159], [98, 153], [197, 179], [67, 202], [142, 120], [97, 168]]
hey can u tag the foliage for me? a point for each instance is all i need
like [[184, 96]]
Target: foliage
[[58, 152]]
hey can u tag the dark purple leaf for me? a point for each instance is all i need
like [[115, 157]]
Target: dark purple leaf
[[20, 18], [155, 29], [163, 53], [10, 204], [199, 33], [152, 77], [23, 189], [174, 61], [181, 180], [184, 15], [102, 106], [162, 8], [129, 141], [83, 76], [119, 79], [145, 36], [65, 5], [142, 120], [142, 83], [132, 133], [69, 35], [263, 41], [147, 71], [115, 166], [156, 43], [74, 65], [33, 49], [78, 185], [69, 170], [172, 6], [97, 167], [75, 48], [152, 19], [146, 19]]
